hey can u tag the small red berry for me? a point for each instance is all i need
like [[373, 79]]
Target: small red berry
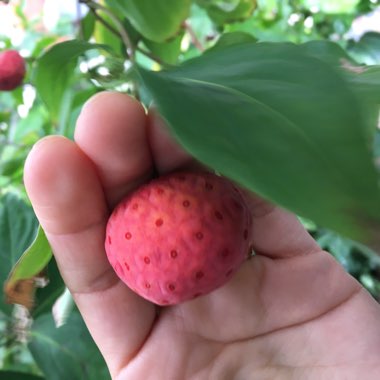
[[12, 70]]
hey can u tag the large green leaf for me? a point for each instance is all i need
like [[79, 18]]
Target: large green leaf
[[327, 51], [280, 122], [158, 20], [18, 226], [55, 69], [67, 352], [10, 375], [367, 83], [365, 80], [233, 38]]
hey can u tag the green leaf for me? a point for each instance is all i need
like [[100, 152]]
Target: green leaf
[[29, 129], [167, 51], [158, 20], [327, 51], [281, 123], [9, 167], [87, 26], [44, 42], [10, 375], [18, 226], [33, 260], [224, 12], [367, 83], [367, 49], [67, 352], [233, 38], [54, 71], [20, 287], [78, 100]]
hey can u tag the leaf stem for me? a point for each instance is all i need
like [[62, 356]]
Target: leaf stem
[[194, 39], [151, 56], [116, 33], [94, 6], [104, 22]]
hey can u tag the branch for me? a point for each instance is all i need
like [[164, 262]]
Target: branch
[[152, 56], [104, 22], [116, 33], [194, 39], [121, 30]]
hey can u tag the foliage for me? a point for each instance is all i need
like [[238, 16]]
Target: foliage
[[278, 95]]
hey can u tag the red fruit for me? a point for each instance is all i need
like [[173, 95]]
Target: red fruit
[[179, 236], [12, 70]]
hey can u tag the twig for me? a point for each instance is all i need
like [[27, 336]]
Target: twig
[[104, 22], [121, 30], [194, 39], [116, 33], [151, 56]]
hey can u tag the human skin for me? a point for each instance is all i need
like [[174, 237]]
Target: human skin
[[290, 312]]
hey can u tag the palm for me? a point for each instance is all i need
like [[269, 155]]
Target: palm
[[232, 334], [290, 312]]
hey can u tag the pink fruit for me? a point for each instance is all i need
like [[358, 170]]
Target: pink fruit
[[12, 70], [179, 236]]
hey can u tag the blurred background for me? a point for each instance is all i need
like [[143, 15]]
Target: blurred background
[[31, 347]]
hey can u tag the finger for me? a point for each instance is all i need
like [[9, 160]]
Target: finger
[[68, 199], [277, 233], [168, 154], [111, 130]]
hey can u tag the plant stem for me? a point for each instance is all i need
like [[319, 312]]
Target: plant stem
[[151, 56], [121, 30], [116, 33], [104, 22], [194, 39]]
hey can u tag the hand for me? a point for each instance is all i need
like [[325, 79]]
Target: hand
[[291, 312]]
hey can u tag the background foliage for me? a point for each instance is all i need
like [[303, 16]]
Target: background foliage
[[92, 46]]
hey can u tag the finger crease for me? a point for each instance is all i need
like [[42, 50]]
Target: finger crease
[[82, 229], [100, 284]]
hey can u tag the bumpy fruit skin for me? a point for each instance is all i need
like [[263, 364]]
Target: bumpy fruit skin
[[12, 70], [178, 237]]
